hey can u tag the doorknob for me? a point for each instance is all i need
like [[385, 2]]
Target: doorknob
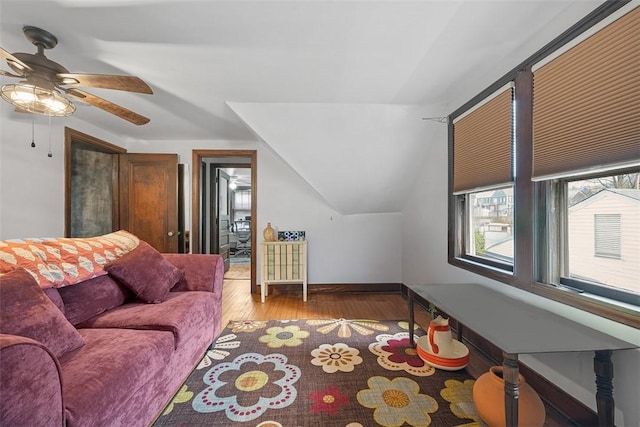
[[170, 234]]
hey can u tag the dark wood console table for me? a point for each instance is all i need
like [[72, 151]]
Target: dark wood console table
[[517, 327]]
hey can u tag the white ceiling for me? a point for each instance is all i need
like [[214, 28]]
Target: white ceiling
[[315, 80]]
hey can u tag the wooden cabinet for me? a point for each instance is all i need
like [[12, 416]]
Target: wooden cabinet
[[283, 262]]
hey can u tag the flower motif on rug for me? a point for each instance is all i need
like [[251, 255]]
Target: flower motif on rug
[[363, 327], [182, 396], [246, 325], [336, 357], [396, 354], [329, 401], [405, 325], [397, 401], [288, 336], [248, 386], [460, 398], [217, 350]]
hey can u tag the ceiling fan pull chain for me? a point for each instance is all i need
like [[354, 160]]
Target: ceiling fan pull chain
[[33, 125], [50, 154]]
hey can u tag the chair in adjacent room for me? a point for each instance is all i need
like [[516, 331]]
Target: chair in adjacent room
[[243, 233]]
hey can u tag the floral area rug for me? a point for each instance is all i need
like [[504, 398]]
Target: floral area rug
[[334, 372]]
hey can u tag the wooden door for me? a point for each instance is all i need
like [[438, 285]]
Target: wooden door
[[148, 198], [223, 218]]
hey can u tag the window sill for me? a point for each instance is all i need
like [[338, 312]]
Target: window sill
[[617, 311], [489, 271]]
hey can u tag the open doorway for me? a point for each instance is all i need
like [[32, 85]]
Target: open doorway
[[240, 219], [224, 206]]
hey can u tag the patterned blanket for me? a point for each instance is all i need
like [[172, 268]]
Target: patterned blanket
[[59, 262]]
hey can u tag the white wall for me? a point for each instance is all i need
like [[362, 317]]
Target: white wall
[[32, 184], [342, 248], [424, 260]]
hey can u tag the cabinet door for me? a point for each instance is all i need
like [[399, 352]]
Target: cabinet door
[[148, 198]]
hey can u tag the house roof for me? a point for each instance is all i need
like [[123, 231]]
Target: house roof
[[631, 195]]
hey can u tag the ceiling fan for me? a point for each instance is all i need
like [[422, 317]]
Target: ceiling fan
[[44, 80]]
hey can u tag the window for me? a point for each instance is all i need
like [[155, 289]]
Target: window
[[490, 234], [603, 236], [606, 235], [483, 181], [242, 199], [566, 224]]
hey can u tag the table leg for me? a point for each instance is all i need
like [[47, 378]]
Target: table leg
[[510, 373], [411, 317], [603, 367]]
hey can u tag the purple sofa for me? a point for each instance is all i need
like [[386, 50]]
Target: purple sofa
[[111, 350]]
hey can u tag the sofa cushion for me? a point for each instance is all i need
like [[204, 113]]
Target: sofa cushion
[[182, 313], [101, 378], [55, 298], [146, 273], [26, 311], [92, 297]]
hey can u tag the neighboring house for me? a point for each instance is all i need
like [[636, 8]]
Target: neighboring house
[[502, 249], [604, 235], [499, 203], [493, 217]]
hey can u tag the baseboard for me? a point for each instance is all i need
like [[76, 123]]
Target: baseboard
[[339, 287], [554, 397]]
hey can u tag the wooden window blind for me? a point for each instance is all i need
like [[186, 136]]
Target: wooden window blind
[[483, 145], [586, 109]]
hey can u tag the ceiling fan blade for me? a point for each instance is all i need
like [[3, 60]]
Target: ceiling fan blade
[[108, 106], [10, 58], [8, 74], [106, 81]]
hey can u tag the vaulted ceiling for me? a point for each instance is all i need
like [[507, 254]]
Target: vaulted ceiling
[[336, 88]]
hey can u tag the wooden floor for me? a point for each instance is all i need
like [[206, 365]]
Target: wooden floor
[[239, 304]]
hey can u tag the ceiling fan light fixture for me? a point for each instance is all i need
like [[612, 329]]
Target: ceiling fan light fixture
[[37, 100]]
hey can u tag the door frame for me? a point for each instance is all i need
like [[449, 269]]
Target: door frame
[[196, 190]]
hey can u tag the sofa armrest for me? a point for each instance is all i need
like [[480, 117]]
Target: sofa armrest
[[31, 386], [202, 272]]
